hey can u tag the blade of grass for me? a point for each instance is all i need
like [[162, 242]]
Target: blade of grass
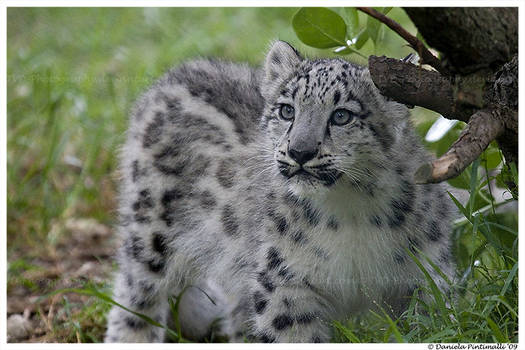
[[346, 332], [509, 279], [473, 186], [497, 332], [460, 206], [438, 297]]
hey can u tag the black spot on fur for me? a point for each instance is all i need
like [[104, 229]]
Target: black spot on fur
[[173, 105], [141, 218], [294, 92], [376, 220], [144, 201], [159, 243], [156, 265], [337, 97], [310, 213], [282, 321], [276, 59], [168, 162], [266, 338], [290, 199], [153, 131], [299, 237], [230, 223], [208, 200], [225, 173], [309, 285], [400, 259], [333, 224], [285, 273], [129, 280], [168, 201], [409, 195], [134, 247], [146, 287], [259, 302], [265, 281], [350, 97], [287, 303], [135, 171], [316, 339], [141, 303], [434, 232], [397, 217], [274, 258], [396, 220], [171, 195], [134, 323], [281, 224]]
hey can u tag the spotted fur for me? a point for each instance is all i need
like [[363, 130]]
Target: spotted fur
[[286, 224]]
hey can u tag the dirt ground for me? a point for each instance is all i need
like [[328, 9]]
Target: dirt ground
[[83, 252]]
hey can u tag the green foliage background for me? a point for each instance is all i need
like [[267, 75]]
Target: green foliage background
[[73, 75]]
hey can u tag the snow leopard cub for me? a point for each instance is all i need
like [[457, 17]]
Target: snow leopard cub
[[284, 194]]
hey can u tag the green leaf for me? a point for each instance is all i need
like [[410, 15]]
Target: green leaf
[[352, 20], [372, 27], [319, 27], [460, 181], [491, 156], [362, 38]]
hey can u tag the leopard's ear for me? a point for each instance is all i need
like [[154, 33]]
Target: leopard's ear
[[281, 62]]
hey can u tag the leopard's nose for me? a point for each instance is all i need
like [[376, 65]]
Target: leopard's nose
[[302, 156]]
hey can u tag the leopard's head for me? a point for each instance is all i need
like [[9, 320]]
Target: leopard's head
[[326, 119]]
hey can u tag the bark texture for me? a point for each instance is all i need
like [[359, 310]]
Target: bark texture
[[471, 38]]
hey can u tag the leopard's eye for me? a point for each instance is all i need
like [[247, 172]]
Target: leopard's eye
[[287, 112], [341, 117]]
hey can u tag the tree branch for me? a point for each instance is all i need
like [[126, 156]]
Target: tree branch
[[426, 56], [474, 139], [412, 85]]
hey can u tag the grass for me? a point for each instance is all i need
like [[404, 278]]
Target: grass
[[73, 75]]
